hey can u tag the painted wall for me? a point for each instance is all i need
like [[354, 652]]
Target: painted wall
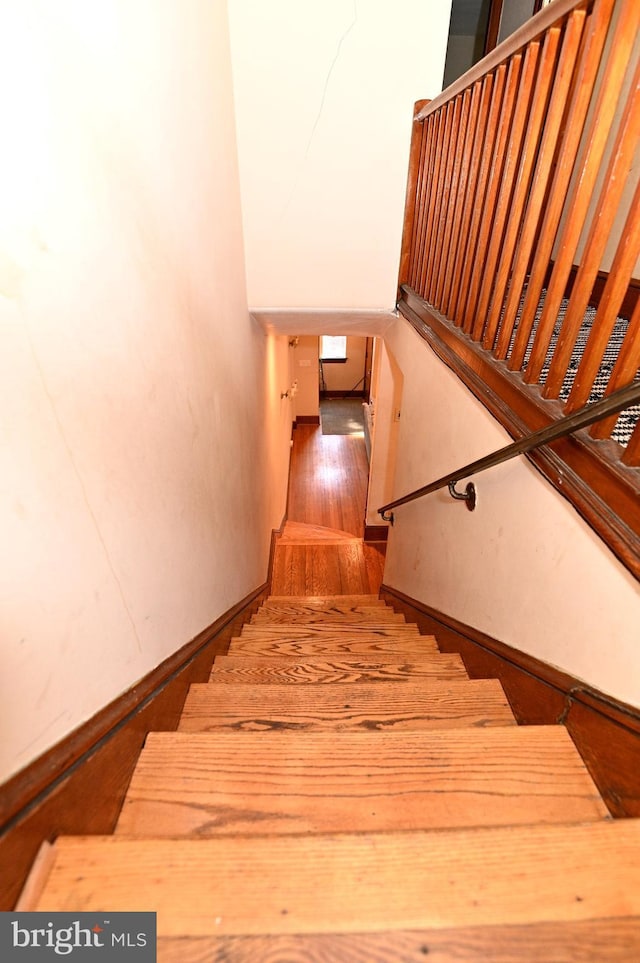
[[305, 368], [523, 567], [304, 371], [324, 101], [144, 445]]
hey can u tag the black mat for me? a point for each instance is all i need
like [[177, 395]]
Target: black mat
[[627, 419], [342, 416]]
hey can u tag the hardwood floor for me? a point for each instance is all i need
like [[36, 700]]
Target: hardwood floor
[[329, 477], [321, 551]]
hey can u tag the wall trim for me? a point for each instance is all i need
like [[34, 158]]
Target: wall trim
[[306, 420], [78, 785], [605, 730], [340, 393]]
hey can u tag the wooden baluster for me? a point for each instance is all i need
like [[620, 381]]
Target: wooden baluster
[[471, 165], [594, 39], [615, 289], [435, 239], [427, 196], [434, 179], [581, 193], [599, 231], [493, 187], [483, 157], [414, 198], [543, 173], [413, 206], [507, 183], [624, 370], [631, 455], [456, 189], [516, 205]]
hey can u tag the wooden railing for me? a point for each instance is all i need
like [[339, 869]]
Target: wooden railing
[[522, 237]]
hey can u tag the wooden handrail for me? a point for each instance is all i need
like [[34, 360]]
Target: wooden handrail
[[586, 416]]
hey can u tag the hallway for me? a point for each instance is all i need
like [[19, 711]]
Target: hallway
[[321, 550]]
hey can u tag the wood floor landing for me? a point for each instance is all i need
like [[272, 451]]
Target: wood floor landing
[[296, 533], [322, 551]]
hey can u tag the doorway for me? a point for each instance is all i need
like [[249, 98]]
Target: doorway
[[345, 366]]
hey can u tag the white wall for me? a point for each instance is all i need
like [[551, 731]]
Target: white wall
[[324, 99], [348, 376], [305, 367], [145, 447], [386, 401], [523, 567]]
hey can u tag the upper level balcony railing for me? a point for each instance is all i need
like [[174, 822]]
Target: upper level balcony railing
[[521, 245]]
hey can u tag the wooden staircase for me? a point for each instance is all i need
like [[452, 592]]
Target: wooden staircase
[[342, 791]]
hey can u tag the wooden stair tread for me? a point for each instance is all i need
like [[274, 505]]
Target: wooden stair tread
[[414, 647], [313, 609], [265, 782], [355, 882], [331, 630], [356, 616], [284, 610], [477, 702], [361, 824], [566, 942], [309, 533], [269, 670], [318, 601]]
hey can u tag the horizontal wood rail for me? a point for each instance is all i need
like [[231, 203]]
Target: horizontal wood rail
[[523, 194], [587, 415]]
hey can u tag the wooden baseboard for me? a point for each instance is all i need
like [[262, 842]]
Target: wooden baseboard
[[342, 394], [376, 533], [307, 420], [78, 786], [605, 731]]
